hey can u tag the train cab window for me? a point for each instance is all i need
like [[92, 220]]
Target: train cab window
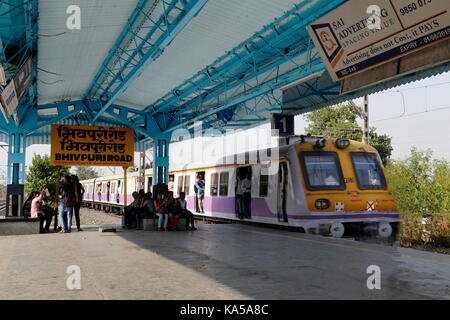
[[263, 185], [322, 170], [223, 191], [214, 184], [368, 170]]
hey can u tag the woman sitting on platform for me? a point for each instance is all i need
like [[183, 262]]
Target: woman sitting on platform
[[162, 212], [36, 212]]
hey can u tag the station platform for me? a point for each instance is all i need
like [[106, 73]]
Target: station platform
[[218, 261]]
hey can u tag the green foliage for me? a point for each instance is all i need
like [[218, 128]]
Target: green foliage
[[341, 122], [420, 185], [86, 173], [42, 175]]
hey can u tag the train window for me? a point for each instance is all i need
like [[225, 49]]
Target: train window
[[263, 185], [322, 170], [368, 171], [224, 184], [214, 182], [187, 181]]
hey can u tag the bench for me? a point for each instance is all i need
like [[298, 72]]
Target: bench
[[18, 226], [151, 224]]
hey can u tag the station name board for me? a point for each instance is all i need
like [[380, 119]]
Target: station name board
[[358, 35], [92, 146]]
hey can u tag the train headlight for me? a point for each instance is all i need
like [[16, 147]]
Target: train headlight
[[342, 143], [322, 204], [320, 143]]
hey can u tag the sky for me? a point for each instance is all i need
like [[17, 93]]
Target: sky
[[416, 114]]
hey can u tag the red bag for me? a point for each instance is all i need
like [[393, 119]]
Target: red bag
[[174, 221]]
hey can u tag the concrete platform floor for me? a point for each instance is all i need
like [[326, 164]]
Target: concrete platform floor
[[215, 262]]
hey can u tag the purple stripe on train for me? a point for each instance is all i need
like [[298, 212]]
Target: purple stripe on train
[[226, 205]]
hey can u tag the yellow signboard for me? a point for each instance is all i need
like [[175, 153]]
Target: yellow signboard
[[92, 146]]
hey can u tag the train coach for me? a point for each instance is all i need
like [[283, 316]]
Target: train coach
[[326, 186]]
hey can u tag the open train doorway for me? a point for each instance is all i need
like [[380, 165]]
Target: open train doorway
[[243, 192], [282, 192], [199, 189]]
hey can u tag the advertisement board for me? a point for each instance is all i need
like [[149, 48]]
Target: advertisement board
[[359, 35]]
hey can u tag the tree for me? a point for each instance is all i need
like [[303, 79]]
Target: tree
[[419, 184], [42, 175], [86, 173], [341, 122]]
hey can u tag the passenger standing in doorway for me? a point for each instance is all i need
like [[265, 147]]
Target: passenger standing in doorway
[[246, 195], [108, 188], [239, 204], [196, 198], [117, 192], [99, 191], [170, 185], [200, 184], [67, 193], [79, 192]]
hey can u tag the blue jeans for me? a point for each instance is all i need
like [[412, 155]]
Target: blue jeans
[[65, 224], [162, 216]]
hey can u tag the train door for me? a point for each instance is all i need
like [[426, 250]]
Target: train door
[[282, 191], [243, 189], [200, 176]]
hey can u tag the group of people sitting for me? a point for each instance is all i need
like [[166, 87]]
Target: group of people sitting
[[168, 209], [71, 194]]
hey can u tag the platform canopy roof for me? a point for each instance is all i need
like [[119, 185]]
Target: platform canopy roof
[[162, 65]]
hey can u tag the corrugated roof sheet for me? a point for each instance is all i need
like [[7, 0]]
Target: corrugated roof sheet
[[69, 59]]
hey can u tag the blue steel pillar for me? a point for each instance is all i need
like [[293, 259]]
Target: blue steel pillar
[[161, 161], [15, 173]]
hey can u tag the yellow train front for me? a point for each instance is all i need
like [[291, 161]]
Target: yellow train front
[[343, 188]]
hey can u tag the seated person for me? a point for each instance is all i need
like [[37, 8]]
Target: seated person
[[162, 212], [185, 212], [36, 212], [175, 212], [146, 210], [128, 218], [27, 204]]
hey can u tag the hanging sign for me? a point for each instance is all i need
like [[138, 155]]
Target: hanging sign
[[362, 34], [22, 80], [9, 99], [92, 146]]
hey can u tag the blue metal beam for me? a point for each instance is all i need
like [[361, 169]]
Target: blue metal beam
[[276, 44], [265, 89], [111, 81]]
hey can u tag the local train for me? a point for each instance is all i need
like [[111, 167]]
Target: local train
[[326, 186]]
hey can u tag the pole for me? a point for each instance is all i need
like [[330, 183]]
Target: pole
[[58, 179], [366, 120], [124, 188]]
